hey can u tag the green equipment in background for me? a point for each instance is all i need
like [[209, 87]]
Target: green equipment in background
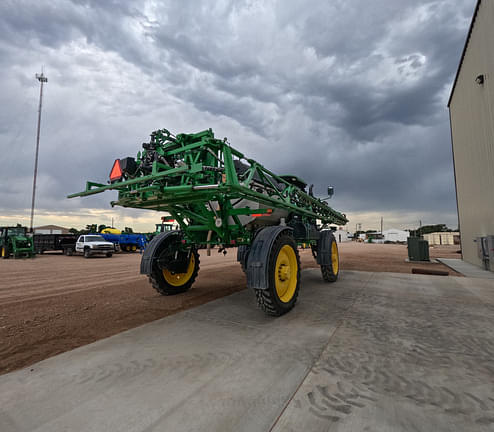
[[14, 242], [221, 198]]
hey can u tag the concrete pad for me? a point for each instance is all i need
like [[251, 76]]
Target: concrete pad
[[466, 269], [372, 352], [414, 353]]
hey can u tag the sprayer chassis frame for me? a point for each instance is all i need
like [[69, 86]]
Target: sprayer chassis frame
[[209, 175]]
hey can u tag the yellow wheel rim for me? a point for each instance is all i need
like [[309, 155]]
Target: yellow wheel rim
[[179, 279], [335, 262], [285, 276], [3, 252]]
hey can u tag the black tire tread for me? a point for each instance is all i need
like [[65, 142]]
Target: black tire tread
[[265, 302], [327, 273], [243, 262]]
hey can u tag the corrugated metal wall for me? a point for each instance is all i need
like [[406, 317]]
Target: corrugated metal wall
[[472, 123]]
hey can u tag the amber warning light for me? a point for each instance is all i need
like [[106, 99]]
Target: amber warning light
[[116, 171]]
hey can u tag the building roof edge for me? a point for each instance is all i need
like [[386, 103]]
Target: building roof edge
[[464, 51]]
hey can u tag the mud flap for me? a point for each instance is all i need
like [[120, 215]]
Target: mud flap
[[150, 253], [257, 260]]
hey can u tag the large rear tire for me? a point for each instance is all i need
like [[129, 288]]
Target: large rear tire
[[284, 278], [330, 272], [168, 282]]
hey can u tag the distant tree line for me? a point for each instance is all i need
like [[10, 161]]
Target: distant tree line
[[428, 229]]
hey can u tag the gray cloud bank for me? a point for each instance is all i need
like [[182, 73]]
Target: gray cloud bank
[[348, 93]]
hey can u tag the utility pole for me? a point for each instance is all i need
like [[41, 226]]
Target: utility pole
[[42, 79], [381, 224]]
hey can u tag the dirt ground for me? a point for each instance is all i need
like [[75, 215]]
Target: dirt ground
[[56, 303], [391, 258]]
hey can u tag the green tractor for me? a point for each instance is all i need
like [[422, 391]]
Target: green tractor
[[165, 225], [221, 198], [15, 242]]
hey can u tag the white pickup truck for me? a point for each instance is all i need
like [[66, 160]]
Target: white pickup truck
[[92, 244]]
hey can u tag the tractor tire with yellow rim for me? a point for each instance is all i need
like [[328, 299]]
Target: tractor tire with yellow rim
[[175, 270], [330, 272], [4, 251], [283, 277]]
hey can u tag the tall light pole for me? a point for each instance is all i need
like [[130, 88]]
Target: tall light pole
[[42, 79]]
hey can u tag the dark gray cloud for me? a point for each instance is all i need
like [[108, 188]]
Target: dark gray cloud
[[351, 93]]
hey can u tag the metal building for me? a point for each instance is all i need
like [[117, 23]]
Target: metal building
[[396, 235], [51, 229], [471, 106], [342, 235]]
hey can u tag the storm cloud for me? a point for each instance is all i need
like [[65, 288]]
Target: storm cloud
[[349, 93]]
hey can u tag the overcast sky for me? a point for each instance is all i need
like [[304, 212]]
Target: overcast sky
[[350, 93]]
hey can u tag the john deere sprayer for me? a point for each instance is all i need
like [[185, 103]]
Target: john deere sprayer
[[222, 199]]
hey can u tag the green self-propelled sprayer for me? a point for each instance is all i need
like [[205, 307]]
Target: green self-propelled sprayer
[[221, 198]]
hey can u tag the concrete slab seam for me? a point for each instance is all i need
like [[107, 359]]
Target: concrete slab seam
[[365, 285]]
